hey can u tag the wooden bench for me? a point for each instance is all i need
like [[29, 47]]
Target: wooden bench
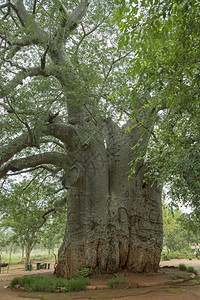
[[42, 265]]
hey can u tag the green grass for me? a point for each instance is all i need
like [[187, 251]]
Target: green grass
[[115, 281], [17, 258], [178, 276], [194, 282], [187, 254], [46, 284]]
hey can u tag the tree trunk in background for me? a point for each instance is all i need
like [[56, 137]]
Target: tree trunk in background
[[28, 253], [22, 253], [112, 223]]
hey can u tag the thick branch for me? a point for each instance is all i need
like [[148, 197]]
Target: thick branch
[[47, 168], [58, 129], [53, 158], [62, 131], [15, 146], [20, 76], [78, 14]]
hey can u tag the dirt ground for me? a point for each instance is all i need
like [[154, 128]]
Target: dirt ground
[[159, 286]]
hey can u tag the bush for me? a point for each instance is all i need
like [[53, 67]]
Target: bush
[[166, 257], [46, 284], [115, 281], [182, 267], [83, 273], [192, 270]]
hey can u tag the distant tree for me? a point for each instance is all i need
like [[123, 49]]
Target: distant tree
[[180, 230], [23, 210], [52, 236]]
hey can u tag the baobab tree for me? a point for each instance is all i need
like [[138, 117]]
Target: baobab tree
[[60, 67]]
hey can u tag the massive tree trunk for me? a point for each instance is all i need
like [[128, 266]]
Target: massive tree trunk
[[113, 222]]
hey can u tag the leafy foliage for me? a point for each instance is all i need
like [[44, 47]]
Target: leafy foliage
[[182, 267], [22, 212], [179, 230], [164, 36], [115, 281]]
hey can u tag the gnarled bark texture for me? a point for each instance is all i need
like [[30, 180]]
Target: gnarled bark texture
[[113, 222]]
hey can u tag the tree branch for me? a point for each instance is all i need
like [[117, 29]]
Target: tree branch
[[53, 158], [62, 131], [70, 22], [20, 76], [43, 58], [53, 142], [58, 129], [78, 14], [34, 6], [4, 5], [19, 112], [85, 34], [114, 61], [32, 139], [54, 209], [38, 36], [54, 171], [15, 146]]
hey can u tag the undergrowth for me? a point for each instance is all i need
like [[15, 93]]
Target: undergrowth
[[183, 267], [46, 284], [115, 281], [178, 276]]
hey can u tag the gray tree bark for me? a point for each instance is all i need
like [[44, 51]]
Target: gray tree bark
[[113, 222]]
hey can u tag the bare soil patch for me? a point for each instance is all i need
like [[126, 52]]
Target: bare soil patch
[[156, 286]]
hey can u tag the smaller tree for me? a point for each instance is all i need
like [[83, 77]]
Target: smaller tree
[[24, 214], [52, 236], [180, 231]]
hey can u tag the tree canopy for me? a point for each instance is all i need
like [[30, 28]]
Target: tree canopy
[[164, 36], [24, 209]]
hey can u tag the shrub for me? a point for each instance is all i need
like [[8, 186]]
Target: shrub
[[83, 273], [182, 267], [166, 257], [46, 284], [115, 281], [192, 270]]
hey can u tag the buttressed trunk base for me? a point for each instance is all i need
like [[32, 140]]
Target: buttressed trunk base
[[113, 222]]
